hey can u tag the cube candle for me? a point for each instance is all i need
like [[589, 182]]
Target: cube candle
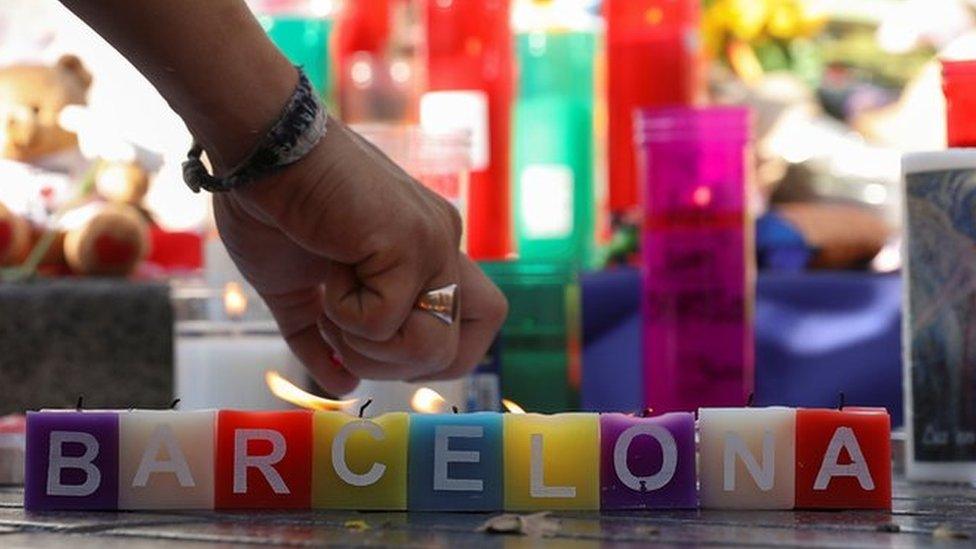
[[456, 462], [843, 459], [166, 459], [648, 462], [72, 461], [747, 457], [264, 460], [552, 462], [360, 463]]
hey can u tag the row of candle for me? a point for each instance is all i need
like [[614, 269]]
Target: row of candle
[[749, 458]]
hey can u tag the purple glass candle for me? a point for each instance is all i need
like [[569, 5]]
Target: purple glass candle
[[697, 265], [72, 461], [647, 462]]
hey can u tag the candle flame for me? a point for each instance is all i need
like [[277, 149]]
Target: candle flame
[[427, 401], [287, 391], [512, 407], [235, 301]]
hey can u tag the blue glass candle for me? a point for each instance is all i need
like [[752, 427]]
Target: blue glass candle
[[455, 462]]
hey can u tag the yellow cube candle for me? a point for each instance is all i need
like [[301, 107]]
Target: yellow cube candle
[[552, 462], [360, 463]]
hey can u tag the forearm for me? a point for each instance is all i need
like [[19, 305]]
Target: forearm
[[209, 59]]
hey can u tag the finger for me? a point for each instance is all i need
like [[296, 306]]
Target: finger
[[296, 313], [372, 300], [357, 363], [423, 342], [483, 312], [316, 355]]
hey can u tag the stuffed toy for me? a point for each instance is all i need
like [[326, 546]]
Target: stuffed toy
[[31, 100]]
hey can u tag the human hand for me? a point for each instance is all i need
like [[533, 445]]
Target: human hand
[[340, 245]]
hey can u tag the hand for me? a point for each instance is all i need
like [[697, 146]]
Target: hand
[[340, 245]]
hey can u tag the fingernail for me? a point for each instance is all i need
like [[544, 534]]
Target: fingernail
[[337, 358]]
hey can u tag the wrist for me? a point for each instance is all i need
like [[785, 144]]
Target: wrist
[[230, 124]]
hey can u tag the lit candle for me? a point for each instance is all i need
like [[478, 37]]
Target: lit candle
[[72, 461], [360, 463], [552, 462], [220, 362], [263, 460], [843, 459], [648, 462], [166, 459], [456, 462], [747, 457]]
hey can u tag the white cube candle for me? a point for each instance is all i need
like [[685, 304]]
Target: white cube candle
[[166, 459], [747, 458]]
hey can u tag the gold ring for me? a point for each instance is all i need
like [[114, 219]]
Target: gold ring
[[441, 302]]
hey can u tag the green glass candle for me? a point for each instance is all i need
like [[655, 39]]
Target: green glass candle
[[537, 343], [553, 147], [304, 39]]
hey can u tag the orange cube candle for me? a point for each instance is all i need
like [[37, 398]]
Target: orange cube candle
[[843, 459], [264, 460]]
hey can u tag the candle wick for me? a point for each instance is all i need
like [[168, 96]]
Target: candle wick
[[842, 401], [455, 409], [751, 399], [78, 404], [646, 412], [362, 409], [172, 405]]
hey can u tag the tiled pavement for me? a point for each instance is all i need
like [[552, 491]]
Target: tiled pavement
[[943, 515]]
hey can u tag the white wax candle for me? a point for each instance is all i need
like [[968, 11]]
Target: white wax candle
[[166, 459], [226, 370], [747, 458]]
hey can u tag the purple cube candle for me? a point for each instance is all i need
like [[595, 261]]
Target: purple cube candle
[[72, 461], [647, 462]]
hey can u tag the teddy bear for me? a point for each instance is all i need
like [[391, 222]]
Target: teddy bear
[[31, 100], [105, 232]]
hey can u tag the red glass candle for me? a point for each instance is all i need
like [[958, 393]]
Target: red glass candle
[[843, 459], [959, 86], [652, 61], [263, 460], [469, 50]]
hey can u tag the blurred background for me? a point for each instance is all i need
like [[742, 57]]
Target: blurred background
[[686, 202]]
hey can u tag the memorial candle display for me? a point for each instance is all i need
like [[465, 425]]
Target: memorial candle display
[[697, 273], [749, 458]]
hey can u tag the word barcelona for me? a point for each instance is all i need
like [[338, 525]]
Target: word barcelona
[[748, 458]]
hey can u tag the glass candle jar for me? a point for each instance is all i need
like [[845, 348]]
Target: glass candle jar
[[697, 247], [652, 61], [959, 86]]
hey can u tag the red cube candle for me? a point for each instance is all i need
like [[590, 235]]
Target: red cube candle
[[843, 459], [264, 460]]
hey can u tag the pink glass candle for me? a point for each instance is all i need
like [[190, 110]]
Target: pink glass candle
[[697, 269], [647, 462]]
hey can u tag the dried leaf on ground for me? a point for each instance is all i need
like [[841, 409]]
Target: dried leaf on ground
[[537, 525]]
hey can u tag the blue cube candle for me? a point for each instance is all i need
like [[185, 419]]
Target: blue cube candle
[[455, 462]]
